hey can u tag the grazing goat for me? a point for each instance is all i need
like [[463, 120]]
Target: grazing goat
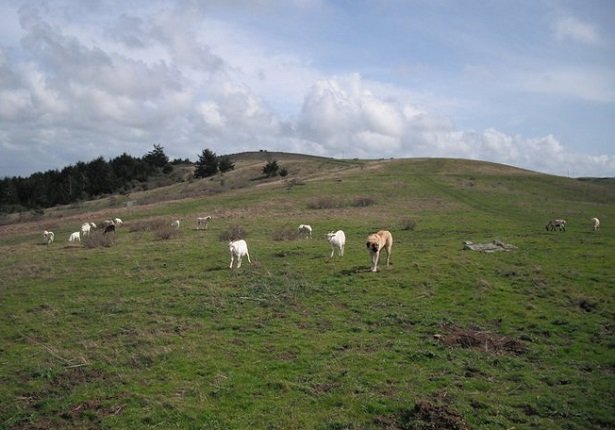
[[238, 249], [175, 224], [376, 242], [118, 222], [74, 237], [305, 230], [202, 221], [337, 240], [109, 229], [556, 224], [595, 223], [49, 236], [85, 228]]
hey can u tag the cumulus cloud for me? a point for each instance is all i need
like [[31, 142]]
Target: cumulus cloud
[[70, 93], [348, 119]]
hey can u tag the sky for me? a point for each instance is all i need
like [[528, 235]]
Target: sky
[[527, 83]]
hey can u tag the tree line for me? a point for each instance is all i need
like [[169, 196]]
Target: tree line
[[88, 180]]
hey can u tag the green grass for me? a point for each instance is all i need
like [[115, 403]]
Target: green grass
[[152, 333]]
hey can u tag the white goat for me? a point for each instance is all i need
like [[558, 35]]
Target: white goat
[[74, 237], [305, 230], [175, 224], [238, 249], [556, 224], [595, 223], [202, 221], [49, 236], [118, 222], [337, 240], [85, 228]]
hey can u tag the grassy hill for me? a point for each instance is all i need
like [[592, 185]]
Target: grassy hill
[[152, 330]]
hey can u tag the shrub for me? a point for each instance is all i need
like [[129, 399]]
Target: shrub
[[362, 202], [97, 240], [331, 203], [160, 227], [236, 232], [324, 203], [285, 234], [165, 232], [408, 224]]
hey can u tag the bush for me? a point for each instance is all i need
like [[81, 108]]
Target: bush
[[166, 232], [97, 240], [234, 233], [408, 224], [330, 203], [362, 202], [285, 234], [324, 203], [160, 227]]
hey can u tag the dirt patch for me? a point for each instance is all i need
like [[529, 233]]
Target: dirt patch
[[482, 340], [424, 416]]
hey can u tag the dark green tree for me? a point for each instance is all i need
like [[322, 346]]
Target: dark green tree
[[225, 164], [156, 157], [100, 177], [271, 169], [206, 165]]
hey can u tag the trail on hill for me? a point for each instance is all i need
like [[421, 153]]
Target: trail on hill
[[458, 195]]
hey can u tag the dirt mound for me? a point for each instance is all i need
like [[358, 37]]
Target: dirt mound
[[478, 339], [424, 416]]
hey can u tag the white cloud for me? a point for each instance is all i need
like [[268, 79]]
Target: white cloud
[[127, 79], [571, 28], [347, 119]]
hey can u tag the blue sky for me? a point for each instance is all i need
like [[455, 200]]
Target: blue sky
[[525, 83]]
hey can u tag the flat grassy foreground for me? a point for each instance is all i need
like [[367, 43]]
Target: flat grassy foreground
[[153, 330]]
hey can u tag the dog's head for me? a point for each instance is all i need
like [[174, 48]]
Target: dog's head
[[373, 243]]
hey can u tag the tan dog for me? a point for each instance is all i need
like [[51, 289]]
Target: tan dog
[[376, 242]]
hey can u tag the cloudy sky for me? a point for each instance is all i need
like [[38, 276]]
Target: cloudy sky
[[530, 83]]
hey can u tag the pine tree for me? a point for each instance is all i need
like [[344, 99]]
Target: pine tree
[[225, 164], [206, 165], [156, 157], [271, 169]]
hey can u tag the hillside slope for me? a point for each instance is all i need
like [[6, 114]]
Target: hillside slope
[[150, 329]]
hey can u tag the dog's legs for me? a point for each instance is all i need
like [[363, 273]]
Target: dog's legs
[[375, 258]]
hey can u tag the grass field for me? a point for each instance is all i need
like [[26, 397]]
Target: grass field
[[154, 331]]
